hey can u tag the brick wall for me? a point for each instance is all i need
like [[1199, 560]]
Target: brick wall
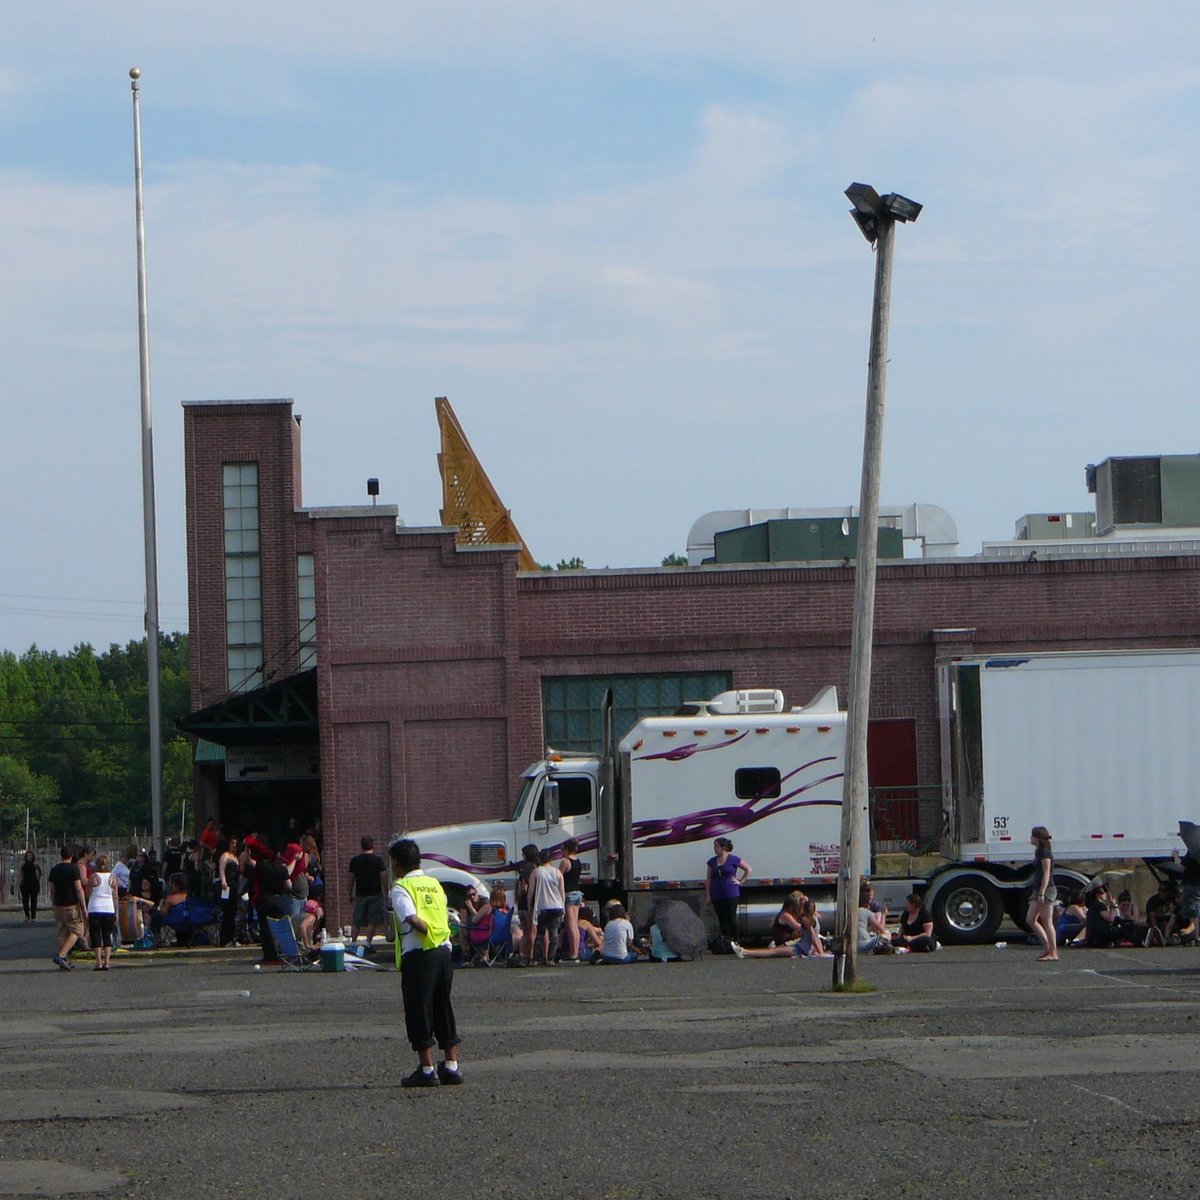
[[214, 434]]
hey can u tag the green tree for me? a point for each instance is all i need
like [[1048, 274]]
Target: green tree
[[80, 721], [21, 789], [675, 560], [571, 564]]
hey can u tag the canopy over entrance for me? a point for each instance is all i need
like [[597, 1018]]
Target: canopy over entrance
[[284, 711]]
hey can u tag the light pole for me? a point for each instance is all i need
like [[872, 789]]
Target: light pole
[[876, 216], [149, 535]]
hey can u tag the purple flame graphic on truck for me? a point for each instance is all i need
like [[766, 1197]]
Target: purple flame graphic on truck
[[689, 827]]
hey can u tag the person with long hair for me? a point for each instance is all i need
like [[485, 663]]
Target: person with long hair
[[787, 932], [571, 868], [723, 886], [313, 868], [1040, 917], [228, 879], [102, 911], [31, 885], [523, 894]]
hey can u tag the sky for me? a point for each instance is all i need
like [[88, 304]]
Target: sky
[[613, 235]]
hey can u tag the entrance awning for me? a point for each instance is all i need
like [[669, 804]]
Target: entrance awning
[[284, 711]]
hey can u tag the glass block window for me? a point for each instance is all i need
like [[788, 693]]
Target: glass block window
[[306, 590], [571, 704], [243, 576]]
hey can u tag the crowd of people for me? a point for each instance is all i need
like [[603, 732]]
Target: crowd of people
[[224, 887], [214, 887]]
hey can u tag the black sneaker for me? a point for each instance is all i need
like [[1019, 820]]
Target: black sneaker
[[419, 1079], [448, 1076], [61, 963]]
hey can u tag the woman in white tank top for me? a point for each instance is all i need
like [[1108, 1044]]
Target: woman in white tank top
[[102, 912]]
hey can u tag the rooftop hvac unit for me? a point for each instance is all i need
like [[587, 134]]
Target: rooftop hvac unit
[[746, 700]]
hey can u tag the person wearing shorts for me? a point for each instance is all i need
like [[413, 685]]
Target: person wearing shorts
[[70, 903], [367, 871], [102, 912]]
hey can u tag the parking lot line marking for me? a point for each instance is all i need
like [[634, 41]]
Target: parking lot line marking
[[1114, 1100]]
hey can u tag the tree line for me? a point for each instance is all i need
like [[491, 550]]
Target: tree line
[[74, 739]]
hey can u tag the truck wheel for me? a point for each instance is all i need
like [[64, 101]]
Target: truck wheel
[[968, 910]]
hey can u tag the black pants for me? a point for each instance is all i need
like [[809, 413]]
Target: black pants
[[726, 911], [229, 910], [426, 977], [268, 906], [103, 926], [29, 901]]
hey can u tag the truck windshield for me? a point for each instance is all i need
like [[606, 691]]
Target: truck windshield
[[526, 788]]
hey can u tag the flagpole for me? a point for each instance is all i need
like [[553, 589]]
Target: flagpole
[[148, 510]]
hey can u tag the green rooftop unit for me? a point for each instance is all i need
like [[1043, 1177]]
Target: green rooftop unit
[[808, 539]]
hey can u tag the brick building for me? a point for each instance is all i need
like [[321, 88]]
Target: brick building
[[378, 677]]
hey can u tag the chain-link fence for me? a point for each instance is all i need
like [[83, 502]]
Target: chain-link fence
[[12, 855]]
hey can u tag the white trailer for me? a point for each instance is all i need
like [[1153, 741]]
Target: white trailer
[[1100, 747]]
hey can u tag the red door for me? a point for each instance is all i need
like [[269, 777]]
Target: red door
[[892, 778]]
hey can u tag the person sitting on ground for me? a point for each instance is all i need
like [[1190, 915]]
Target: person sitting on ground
[[872, 923], [1069, 925], [177, 894], [786, 927], [787, 932], [1128, 922], [1101, 913], [811, 939], [591, 936], [1187, 927], [916, 927], [1162, 912], [309, 922], [799, 927], [618, 944]]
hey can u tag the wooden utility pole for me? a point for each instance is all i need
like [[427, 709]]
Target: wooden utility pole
[[855, 831]]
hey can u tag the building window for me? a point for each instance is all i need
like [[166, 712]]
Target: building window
[[243, 577], [571, 715], [306, 591]]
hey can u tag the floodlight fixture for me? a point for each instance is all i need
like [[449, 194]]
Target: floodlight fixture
[[865, 199], [901, 208], [868, 223]]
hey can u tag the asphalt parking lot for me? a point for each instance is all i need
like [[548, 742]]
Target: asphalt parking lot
[[972, 1072]]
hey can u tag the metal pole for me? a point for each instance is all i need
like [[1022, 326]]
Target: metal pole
[[854, 847], [148, 510]]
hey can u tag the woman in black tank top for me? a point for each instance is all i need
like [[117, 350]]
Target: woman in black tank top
[[571, 869]]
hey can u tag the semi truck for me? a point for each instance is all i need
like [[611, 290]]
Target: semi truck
[[1099, 747]]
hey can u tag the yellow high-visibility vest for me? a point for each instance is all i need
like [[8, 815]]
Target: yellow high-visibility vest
[[430, 902]]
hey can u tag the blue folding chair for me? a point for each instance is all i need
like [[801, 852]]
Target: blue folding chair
[[291, 956]]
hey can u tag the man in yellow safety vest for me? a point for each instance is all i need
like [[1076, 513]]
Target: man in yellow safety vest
[[423, 953]]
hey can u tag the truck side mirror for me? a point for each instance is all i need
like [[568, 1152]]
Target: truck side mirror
[[551, 790]]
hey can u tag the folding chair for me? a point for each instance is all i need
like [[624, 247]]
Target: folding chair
[[499, 945], [291, 956]]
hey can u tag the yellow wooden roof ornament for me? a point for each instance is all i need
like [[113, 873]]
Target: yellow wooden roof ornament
[[469, 501]]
